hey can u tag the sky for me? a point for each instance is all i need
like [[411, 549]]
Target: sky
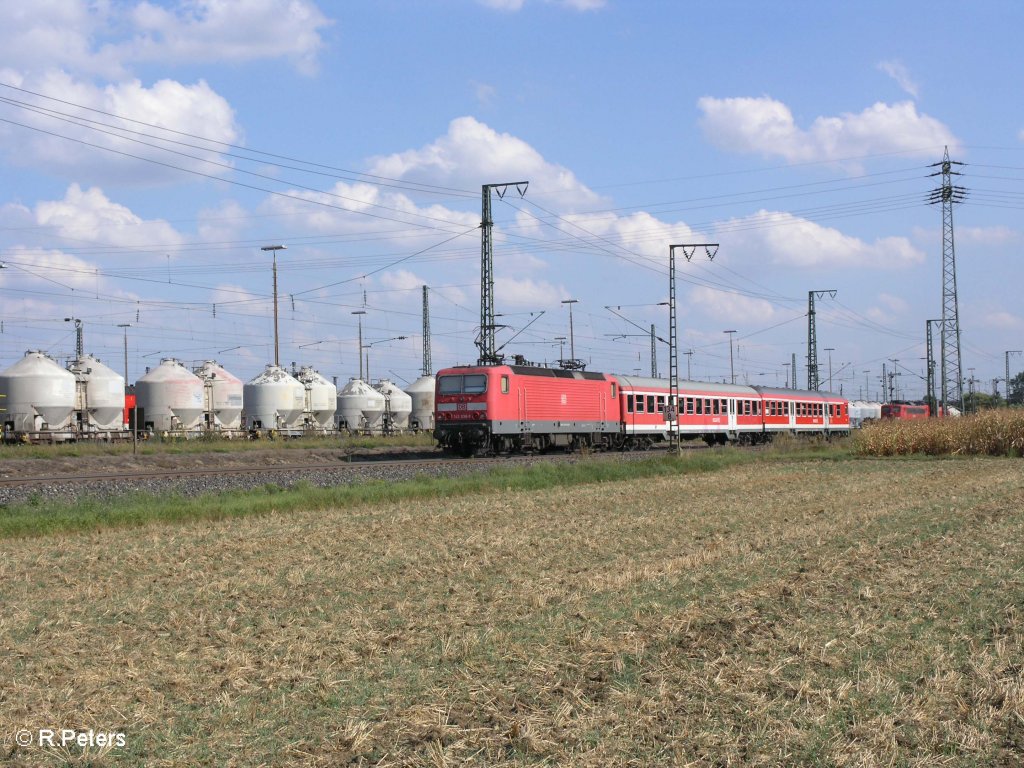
[[149, 151]]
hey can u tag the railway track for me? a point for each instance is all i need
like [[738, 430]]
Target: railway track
[[353, 464]]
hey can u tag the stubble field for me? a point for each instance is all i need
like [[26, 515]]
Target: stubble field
[[854, 613]]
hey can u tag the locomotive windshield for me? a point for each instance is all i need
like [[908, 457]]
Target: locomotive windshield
[[469, 384]]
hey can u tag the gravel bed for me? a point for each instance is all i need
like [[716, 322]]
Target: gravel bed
[[344, 474]]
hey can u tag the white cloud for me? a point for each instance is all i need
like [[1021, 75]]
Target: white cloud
[[512, 6], [48, 34], [88, 216], [472, 153], [898, 72], [887, 309], [191, 109], [228, 30], [1000, 320], [402, 280], [102, 38], [767, 126], [893, 303], [784, 239], [737, 309], [485, 93], [224, 223], [639, 238], [503, 5], [527, 293], [376, 209], [987, 235], [50, 269]]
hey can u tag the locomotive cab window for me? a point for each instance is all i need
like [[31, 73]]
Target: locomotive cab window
[[504, 385], [469, 384]]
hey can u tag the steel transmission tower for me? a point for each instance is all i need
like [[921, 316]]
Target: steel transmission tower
[[952, 387], [485, 342], [813, 380], [428, 367]]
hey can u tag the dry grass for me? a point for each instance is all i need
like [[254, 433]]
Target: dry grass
[[989, 433], [841, 613]]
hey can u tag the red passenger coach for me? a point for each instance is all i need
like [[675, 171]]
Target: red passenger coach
[[496, 409], [804, 412]]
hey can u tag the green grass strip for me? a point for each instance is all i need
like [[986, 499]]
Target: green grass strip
[[38, 518]]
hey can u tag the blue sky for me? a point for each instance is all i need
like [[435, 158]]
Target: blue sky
[[149, 149]]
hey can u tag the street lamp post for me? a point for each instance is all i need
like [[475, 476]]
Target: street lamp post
[[133, 413], [274, 249], [572, 337], [732, 371], [126, 326], [830, 350], [359, 313], [378, 341]]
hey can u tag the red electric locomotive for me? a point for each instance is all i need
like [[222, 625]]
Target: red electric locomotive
[[495, 409], [905, 411]]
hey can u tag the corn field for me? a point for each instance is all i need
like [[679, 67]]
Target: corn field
[[991, 433]]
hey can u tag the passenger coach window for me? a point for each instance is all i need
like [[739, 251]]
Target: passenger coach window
[[629, 403], [661, 403], [650, 403], [639, 403]]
